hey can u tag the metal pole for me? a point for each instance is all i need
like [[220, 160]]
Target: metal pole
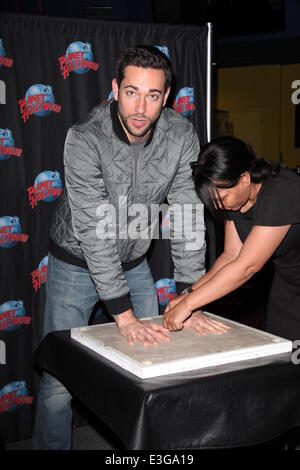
[[208, 80]]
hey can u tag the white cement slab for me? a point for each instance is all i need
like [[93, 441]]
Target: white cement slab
[[186, 351]]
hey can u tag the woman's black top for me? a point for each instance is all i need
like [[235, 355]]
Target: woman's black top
[[278, 203]]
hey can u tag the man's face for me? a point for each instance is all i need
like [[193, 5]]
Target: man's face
[[141, 97]]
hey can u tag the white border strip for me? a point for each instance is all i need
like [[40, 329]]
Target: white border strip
[[208, 80]]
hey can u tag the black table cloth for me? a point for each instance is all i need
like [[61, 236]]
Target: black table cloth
[[233, 405]]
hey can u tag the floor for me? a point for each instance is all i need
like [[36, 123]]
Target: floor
[[84, 438], [88, 433]]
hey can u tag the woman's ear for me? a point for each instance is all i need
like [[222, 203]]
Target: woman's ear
[[246, 178]]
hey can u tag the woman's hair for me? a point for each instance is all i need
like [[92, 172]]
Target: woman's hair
[[224, 160], [145, 57]]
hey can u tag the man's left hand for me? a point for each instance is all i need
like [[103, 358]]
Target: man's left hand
[[204, 325]]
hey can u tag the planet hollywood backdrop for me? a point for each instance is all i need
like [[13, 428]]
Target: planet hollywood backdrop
[[55, 71]]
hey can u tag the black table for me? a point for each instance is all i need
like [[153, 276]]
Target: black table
[[234, 405]]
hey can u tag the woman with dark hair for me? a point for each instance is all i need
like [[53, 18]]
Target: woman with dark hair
[[260, 204]]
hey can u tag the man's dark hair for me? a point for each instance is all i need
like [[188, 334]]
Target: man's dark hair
[[148, 57]]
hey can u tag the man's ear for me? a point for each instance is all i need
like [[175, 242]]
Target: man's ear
[[115, 89], [166, 95]]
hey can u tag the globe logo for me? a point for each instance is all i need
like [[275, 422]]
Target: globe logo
[[16, 306], [184, 101], [13, 390], [86, 54], [48, 97], [50, 182], [166, 290], [164, 50], [13, 225], [6, 140]]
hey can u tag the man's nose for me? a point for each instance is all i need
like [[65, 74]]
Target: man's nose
[[141, 105]]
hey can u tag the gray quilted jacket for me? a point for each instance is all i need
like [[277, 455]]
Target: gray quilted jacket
[[99, 168]]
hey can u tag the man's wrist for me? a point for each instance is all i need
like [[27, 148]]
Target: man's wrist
[[118, 305], [124, 318]]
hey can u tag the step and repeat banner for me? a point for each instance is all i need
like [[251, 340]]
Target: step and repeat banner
[[52, 73]]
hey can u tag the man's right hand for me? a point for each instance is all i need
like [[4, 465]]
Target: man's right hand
[[146, 333]]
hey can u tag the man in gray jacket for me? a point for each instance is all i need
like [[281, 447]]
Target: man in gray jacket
[[128, 153]]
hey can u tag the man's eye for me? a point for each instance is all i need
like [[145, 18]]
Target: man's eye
[[130, 93], [153, 97]]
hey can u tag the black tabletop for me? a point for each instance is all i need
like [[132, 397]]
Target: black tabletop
[[233, 405]]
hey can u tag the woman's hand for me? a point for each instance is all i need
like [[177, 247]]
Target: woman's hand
[[174, 302], [203, 324], [176, 314]]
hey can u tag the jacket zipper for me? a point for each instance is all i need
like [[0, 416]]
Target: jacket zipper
[[136, 162], [135, 168]]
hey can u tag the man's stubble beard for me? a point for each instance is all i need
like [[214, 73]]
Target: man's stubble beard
[[144, 131]]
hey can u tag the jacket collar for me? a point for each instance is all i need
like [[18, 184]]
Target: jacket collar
[[117, 126]]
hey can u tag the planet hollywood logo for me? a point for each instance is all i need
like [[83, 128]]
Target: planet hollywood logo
[[47, 187], [39, 275], [13, 316], [13, 396], [5, 61], [39, 100], [166, 291], [184, 102], [11, 232], [7, 145], [164, 50], [78, 59]]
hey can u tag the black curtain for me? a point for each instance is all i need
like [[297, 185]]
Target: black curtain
[[54, 71]]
